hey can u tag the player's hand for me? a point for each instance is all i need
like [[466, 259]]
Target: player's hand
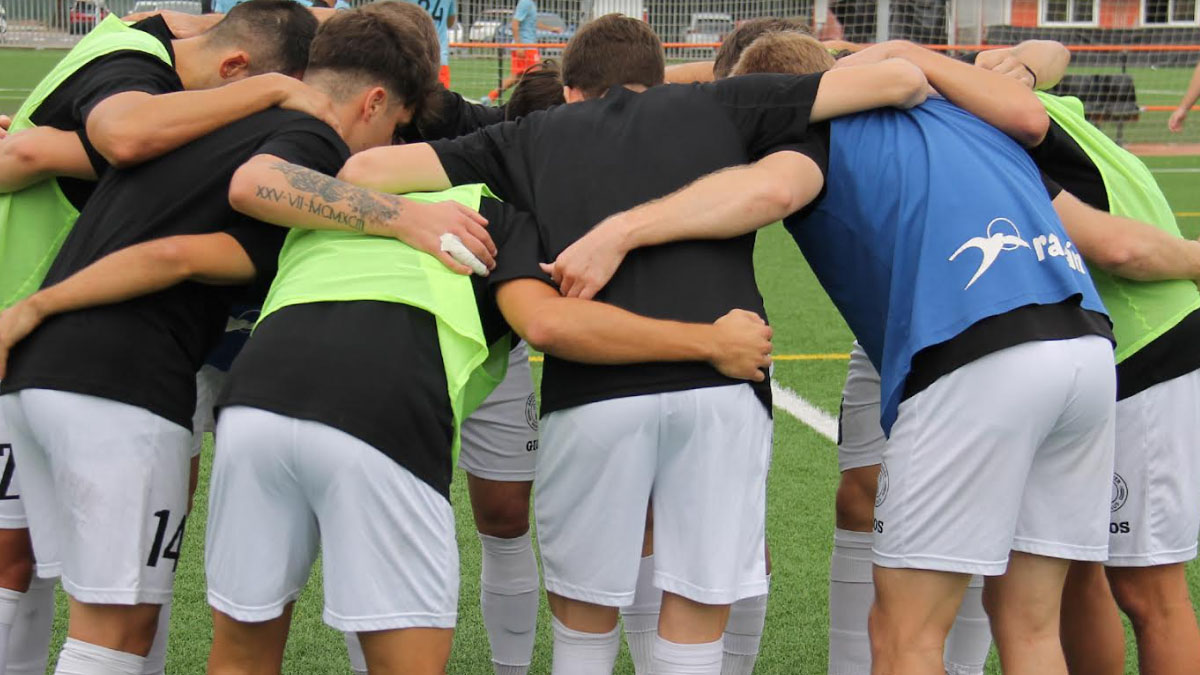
[[742, 348], [16, 323], [586, 266], [422, 224], [295, 95], [1178, 118], [5, 123], [1002, 61]]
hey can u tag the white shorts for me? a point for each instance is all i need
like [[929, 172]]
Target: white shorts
[[860, 437], [283, 486], [106, 492], [12, 510], [500, 439], [1156, 486], [704, 454], [209, 382], [1011, 452]]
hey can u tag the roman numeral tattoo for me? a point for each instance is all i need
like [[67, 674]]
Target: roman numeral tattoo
[[331, 199]]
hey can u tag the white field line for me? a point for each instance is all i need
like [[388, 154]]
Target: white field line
[[791, 402], [1176, 170]]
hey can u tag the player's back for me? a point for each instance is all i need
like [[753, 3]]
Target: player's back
[[933, 220]]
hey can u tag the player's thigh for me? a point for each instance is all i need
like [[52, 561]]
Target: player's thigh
[[44, 535], [262, 536], [709, 497], [1065, 505], [500, 439], [596, 464], [1155, 505], [959, 456], [381, 527], [120, 473], [413, 651]]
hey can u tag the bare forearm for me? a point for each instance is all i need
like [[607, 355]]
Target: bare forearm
[[687, 73], [397, 169], [288, 195], [33, 155], [119, 132], [129, 273], [598, 333], [1149, 254], [1193, 91]]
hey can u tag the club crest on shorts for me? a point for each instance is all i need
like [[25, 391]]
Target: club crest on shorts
[[531, 412], [1120, 492], [881, 490]]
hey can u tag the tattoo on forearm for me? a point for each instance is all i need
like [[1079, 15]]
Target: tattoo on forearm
[[330, 198]]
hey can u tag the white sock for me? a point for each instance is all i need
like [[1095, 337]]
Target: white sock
[[156, 660], [81, 658], [851, 592], [10, 601], [671, 658], [579, 653], [743, 634], [358, 660], [508, 598], [640, 619], [970, 638], [29, 643]]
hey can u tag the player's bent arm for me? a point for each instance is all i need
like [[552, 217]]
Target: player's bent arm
[[687, 73], [720, 205], [181, 25], [33, 155], [1001, 101], [397, 169], [274, 191], [855, 88], [738, 344], [1125, 247], [132, 272], [1047, 59], [118, 129], [1185, 105]]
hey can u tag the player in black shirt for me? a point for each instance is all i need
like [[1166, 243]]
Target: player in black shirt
[[139, 357], [627, 147]]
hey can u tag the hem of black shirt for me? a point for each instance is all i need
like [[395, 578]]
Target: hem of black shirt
[[762, 391], [1030, 323], [75, 387], [1170, 355], [378, 441]]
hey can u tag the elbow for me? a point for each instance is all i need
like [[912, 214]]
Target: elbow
[[1121, 256], [241, 192], [1031, 125], [782, 198], [357, 170], [170, 254], [120, 147], [21, 154], [542, 333], [909, 85]]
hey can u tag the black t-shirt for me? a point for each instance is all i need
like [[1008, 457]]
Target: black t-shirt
[[146, 351], [68, 106], [574, 165], [457, 117], [374, 369], [1064, 162]]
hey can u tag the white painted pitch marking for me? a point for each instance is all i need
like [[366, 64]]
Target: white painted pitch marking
[[793, 404]]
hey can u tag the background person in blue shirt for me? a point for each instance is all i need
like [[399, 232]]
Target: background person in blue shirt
[[223, 6], [445, 15], [525, 26]]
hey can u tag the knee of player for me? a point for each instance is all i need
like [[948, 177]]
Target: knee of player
[[1144, 593], [855, 502], [16, 560], [502, 518]]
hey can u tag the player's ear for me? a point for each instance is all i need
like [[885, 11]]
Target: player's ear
[[235, 66], [375, 103]]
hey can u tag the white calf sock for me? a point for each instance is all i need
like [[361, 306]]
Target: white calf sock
[[29, 643], [970, 638], [851, 591], [10, 601], [156, 660], [743, 634], [358, 660], [640, 619], [671, 658], [81, 658], [579, 653], [508, 598]]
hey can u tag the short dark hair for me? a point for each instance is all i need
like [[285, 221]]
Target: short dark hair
[[539, 88], [388, 45], [785, 52], [610, 51], [276, 34], [736, 42]]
